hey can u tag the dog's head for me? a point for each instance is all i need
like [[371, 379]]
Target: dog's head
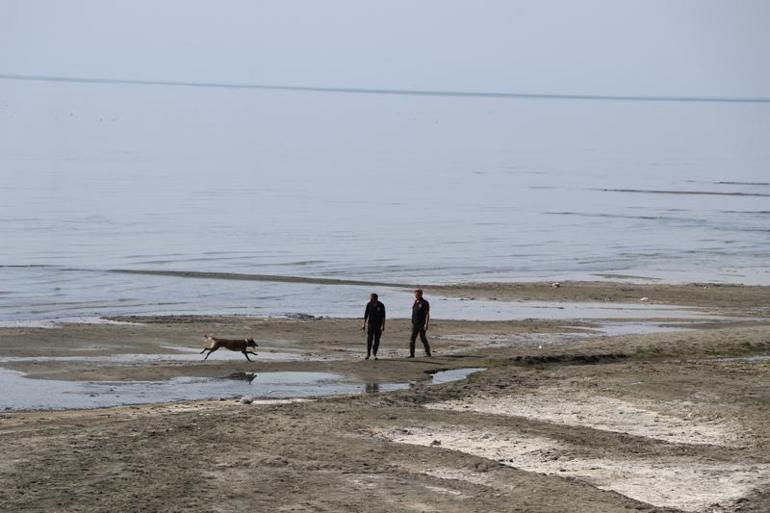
[[250, 342]]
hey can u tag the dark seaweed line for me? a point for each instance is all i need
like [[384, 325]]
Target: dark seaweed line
[[701, 193], [258, 277], [743, 183]]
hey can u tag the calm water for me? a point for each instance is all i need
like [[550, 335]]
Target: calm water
[[393, 189], [23, 393]]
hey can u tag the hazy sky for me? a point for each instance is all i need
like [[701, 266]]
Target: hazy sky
[[610, 47], [697, 47]]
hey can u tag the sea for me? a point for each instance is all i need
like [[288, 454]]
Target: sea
[[401, 189]]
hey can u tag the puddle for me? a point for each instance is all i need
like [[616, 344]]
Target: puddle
[[612, 329], [447, 376], [540, 340], [23, 393], [59, 322], [516, 339], [493, 310], [602, 327], [760, 358]]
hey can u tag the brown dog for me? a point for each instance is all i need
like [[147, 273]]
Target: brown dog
[[231, 344]]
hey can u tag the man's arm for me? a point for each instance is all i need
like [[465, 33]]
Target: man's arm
[[383, 319], [427, 315], [366, 316]]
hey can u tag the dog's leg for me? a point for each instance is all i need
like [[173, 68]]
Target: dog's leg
[[209, 354], [246, 354], [252, 352]]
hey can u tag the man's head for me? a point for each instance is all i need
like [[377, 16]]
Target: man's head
[[418, 293], [373, 297]]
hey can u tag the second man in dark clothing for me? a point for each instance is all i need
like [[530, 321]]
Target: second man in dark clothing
[[374, 320], [420, 321]]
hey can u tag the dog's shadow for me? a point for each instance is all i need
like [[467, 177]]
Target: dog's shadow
[[248, 377]]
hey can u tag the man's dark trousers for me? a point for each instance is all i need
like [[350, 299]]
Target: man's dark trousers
[[419, 330], [373, 334]]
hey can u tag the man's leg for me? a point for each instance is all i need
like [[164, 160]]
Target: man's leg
[[412, 340], [377, 335], [424, 340], [369, 336]]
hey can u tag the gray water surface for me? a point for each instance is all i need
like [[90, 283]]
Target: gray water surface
[[389, 189], [23, 393], [447, 376]]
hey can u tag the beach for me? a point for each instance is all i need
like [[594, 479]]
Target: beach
[[573, 415], [198, 200]]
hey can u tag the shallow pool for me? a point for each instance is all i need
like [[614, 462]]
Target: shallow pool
[[447, 376], [23, 393]]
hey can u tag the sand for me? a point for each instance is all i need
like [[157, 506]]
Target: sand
[[749, 299], [563, 420]]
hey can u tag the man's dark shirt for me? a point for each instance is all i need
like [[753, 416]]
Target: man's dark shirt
[[420, 310], [375, 312]]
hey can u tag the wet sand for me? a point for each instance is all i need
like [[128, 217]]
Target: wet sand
[[726, 296], [563, 420]]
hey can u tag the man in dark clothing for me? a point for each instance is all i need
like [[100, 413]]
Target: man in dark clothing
[[374, 317], [420, 321]]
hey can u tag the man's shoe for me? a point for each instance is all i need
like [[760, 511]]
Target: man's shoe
[[410, 356], [367, 357], [428, 355]]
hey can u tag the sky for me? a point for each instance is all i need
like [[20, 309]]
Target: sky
[[595, 47], [646, 47]]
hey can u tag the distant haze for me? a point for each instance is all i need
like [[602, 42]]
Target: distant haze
[[642, 48], [649, 47]]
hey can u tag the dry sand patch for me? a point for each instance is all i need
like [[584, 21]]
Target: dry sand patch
[[679, 482], [679, 422]]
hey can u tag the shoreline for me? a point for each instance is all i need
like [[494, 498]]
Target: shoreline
[[681, 294], [562, 419]]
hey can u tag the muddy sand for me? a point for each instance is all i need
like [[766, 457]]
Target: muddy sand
[[564, 419]]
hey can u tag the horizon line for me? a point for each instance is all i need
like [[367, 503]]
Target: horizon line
[[385, 91]]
